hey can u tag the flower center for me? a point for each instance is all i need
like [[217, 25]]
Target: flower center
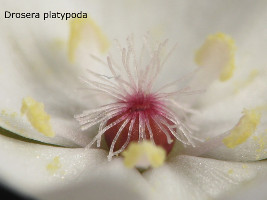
[[141, 102], [143, 121], [136, 113]]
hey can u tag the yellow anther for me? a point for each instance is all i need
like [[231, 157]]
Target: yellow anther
[[143, 155], [245, 128], [218, 51], [85, 29], [38, 118]]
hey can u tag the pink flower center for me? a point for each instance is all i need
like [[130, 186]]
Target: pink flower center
[[145, 108], [141, 102]]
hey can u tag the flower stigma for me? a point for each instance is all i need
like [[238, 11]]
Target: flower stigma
[[138, 112]]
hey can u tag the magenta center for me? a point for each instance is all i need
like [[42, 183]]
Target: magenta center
[[143, 108], [141, 102]]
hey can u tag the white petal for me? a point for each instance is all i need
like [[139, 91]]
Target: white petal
[[48, 81], [188, 23], [25, 166], [253, 190], [191, 178], [218, 117], [31, 66], [252, 150], [43, 171], [113, 181]]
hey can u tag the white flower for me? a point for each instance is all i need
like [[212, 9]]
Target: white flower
[[34, 63]]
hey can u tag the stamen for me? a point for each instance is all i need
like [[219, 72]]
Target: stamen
[[239, 134], [246, 126], [38, 118], [218, 54], [80, 28], [143, 155]]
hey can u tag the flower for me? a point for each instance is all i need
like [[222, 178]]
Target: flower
[[31, 66]]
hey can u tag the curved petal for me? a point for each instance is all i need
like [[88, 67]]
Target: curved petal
[[34, 63], [254, 190], [252, 149], [191, 178], [43, 171], [220, 117], [34, 71], [33, 168], [113, 181]]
